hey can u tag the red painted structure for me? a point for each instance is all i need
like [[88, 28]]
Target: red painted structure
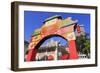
[[64, 57], [67, 32]]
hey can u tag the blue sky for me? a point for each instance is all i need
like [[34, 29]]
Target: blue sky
[[35, 19]]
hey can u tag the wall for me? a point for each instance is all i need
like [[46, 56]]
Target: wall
[[5, 34]]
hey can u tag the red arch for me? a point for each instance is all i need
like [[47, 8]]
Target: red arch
[[47, 37], [71, 44], [32, 53]]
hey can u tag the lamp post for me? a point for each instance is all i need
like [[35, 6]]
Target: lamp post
[[57, 52]]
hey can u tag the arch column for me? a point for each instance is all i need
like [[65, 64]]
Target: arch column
[[72, 45], [31, 55]]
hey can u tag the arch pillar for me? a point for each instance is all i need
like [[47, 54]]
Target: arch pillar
[[31, 55], [72, 49], [71, 44]]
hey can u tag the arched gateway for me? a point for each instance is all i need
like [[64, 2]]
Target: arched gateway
[[54, 26]]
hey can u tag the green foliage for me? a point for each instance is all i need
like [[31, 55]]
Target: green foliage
[[53, 48], [46, 49], [83, 44], [63, 50]]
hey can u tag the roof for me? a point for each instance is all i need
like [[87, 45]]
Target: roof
[[52, 17], [36, 32], [68, 22]]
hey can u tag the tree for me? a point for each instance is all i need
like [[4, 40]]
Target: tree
[[83, 44], [86, 49]]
